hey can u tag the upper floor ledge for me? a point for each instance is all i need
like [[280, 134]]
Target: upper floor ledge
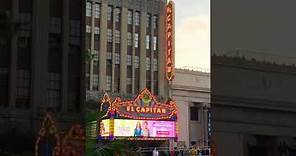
[[254, 59]]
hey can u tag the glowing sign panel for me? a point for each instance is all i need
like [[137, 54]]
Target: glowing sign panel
[[170, 41], [145, 107], [144, 128], [104, 127]]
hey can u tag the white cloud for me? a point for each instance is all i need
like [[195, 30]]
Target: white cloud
[[193, 42]]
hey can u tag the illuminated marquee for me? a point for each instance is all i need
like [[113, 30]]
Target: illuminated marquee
[[122, 117], [144, 107], [154, 110], [170, 58]]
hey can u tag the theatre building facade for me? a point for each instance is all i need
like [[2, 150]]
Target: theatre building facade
[[126, 41], [129, 70], [255, 115], [191, 91]]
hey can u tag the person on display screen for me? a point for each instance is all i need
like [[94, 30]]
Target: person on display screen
[[102, 129], [138, 130], [145, 129]]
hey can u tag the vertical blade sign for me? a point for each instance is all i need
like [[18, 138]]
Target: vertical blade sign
[[170, 58]]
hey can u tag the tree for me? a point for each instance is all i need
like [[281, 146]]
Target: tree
[[89, 56]]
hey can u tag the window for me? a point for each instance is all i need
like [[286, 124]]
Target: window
[[109, 35], [54, 90], [154, 43], [25, 24], [88, 29], [148, 63], [129, 81], [74, 32], [109, 15], [55, 25], [97, 10], [23, 88], [154, 22], [148, 19], [194, 113], [53, 41], [117, 36], [147, 42], [129, 60], [88, 9], [130, 17], [155, 64], [129, 39], [108, 83], [137, 62], [137, 19], [109, 56], [96, 55], [117, 15], [75, 27], [3, 85], [117, 58], [97, 30], [136, 41], [95, 81]]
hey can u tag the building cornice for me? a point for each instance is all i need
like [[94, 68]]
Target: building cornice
[[253, 64], [190, 88], [193, 71], [243, 102]]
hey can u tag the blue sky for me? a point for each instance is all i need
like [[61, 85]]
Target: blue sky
[[192, 33]]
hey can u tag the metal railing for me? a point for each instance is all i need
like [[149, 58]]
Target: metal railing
[[178, 151], [192, 68], [260, 56]]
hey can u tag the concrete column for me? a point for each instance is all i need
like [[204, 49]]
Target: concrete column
[[13, 58], [133, 54], [152, 56], [40, 53], [123, 50], [183, 121], [163, 83], [152, 73], [103, 46], [206, 107], [202, 123], [92, 45], [142, 41], [82, 61], [65, 56], [113, 51]]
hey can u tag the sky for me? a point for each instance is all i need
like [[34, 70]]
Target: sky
[[192, 38], [270, 31]]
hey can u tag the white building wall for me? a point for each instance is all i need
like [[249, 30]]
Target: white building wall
[[252, 99], [183, 121], [191, 88]]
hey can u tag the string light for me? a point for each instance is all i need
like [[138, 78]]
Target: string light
[[114, 107], [48, 126], [115, 112], [63, 146]]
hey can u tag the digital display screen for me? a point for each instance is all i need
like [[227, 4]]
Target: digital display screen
[[144, 128], [104, 127]]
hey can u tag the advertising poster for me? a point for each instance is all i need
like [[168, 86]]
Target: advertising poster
[[104, 127], [144, 128]]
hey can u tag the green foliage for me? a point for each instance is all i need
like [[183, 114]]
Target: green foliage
[[89, 56], [90, 146], [92, 115], [3, 23], [116, 148], [108, 148]]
